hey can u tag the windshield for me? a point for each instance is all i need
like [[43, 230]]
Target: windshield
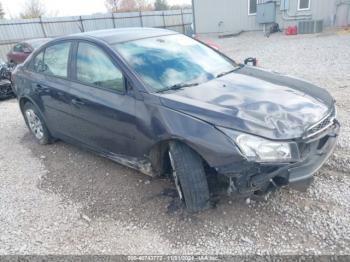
[[174, 60]]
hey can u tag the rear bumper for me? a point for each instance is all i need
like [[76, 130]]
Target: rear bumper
[[299, 176]]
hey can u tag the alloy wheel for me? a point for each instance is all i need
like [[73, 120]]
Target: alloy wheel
[[35, 124]]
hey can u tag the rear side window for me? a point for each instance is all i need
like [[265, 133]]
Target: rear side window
[[37, 65], [56, 60], [52, 61], [18, 48], [95, 67]]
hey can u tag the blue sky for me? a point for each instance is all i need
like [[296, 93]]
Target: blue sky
[[66, 7]]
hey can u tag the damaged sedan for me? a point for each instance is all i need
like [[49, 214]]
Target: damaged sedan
[[167, 105]]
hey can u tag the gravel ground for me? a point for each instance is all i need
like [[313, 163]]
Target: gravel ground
[[59, 199]]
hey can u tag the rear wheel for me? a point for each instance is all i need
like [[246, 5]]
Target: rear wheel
[[189, 177], [36, 124]]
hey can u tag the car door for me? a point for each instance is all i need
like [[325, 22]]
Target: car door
[[49, 80], [104, 111]]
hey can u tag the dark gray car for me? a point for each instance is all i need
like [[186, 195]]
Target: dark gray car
[[163, 103]]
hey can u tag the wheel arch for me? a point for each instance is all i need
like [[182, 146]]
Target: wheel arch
[[159, 158], [25, 99]]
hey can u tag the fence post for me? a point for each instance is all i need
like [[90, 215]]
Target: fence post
[[182, 21], [113, 20], [141, 22], [42, 26], [82, 24], [164, 25]]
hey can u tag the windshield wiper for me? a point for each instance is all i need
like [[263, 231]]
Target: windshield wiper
[[178, 86], [228, 72]]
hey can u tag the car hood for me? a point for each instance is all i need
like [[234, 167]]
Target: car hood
[[254, 101]]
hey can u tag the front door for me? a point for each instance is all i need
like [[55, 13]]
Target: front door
[[104, 112]]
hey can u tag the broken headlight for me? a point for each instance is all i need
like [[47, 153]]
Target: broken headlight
[[259, 149]]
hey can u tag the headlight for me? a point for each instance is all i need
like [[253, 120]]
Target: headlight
[[259, 149], [264, 150]]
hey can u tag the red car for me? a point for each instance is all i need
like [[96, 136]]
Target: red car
[[208, 42], [20, 51]]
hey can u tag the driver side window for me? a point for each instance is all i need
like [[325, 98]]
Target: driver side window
[[95, 67]]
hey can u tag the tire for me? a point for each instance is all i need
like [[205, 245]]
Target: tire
[[189, 175], [36, 124]]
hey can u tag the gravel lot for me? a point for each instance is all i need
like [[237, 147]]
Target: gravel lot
[[59, 199]]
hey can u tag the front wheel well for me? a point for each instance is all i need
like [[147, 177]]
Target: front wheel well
[[160, 159]]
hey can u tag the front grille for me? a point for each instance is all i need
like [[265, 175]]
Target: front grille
[[321, 126]]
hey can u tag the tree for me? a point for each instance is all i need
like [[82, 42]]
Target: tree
[[177, 7], [2, 13], [161, 5], [143, 5], [128, 5], [115, 6], [112, 5], [33, 9]]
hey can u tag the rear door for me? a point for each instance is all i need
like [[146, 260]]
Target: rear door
[[104, 111], [49, 80]]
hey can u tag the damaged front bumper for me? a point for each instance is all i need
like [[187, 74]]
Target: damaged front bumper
[[250, 177]]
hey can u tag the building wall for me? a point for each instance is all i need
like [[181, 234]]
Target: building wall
[[222, 16], [231, 16]]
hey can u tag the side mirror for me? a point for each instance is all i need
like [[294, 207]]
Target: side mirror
[[27, 50], [130, 89], [251, 61]]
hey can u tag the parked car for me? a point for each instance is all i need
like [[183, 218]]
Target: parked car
[[164, 103], [5, 81], [209, 43], [20, 51], [190, 32]]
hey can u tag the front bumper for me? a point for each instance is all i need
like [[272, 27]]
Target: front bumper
[[314, 152], [302, 173]]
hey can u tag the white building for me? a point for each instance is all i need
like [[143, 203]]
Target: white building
[[234, 16]]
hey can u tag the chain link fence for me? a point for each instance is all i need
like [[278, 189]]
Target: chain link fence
[[17, 30]]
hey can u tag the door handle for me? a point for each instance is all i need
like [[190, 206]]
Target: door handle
[[60, 94], [41, 88], [77, 102]]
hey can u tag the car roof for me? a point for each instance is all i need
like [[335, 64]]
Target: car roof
[[114, 36], [36, 40]]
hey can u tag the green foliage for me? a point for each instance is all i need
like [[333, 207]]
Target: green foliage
[[161, 5]]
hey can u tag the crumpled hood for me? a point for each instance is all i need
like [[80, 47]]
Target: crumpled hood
[[254, 101]]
